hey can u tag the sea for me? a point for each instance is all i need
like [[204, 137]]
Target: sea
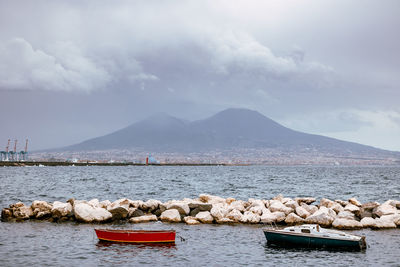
[[40, 243]]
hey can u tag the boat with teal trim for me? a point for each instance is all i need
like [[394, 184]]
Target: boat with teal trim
[[314, 236]]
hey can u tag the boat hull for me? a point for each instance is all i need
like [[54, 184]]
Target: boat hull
[[291, 240], [138, 236]]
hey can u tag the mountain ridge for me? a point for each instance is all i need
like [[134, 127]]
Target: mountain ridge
[[228, 129]]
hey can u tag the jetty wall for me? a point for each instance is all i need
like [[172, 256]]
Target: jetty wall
[[341, 214]]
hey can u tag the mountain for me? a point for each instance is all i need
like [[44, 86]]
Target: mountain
[[226, 130]]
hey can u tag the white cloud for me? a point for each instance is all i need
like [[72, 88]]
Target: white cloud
[[25, 68]]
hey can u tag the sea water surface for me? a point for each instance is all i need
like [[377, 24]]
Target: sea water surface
[[70, 243]]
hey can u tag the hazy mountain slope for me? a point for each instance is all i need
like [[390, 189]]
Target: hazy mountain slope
[[231, 128]]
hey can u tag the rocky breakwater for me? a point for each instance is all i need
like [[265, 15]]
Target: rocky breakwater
[[340, 214]]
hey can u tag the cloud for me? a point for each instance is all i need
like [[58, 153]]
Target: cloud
[[25, 68], [63, 67]]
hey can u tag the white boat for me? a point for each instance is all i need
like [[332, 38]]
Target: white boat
[[314, 236]]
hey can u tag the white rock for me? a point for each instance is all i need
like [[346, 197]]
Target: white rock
[[285, 200], [256, 203], [105, 203], [346, 224], [352, 208], [291, 204], [190, 220], [394, 203], [249, 217], [268, 217], [181, 206], [346, 215], [310, 208], [323, 217], [235, 215], [204, 217], [257, 209], [302, 212], [94, 202], [276, 205], [306, 200], [150, 205], [337, 207], [41, 208], [219, 211], [342, 202], [355, 202], [237, 205], [87, 213], [326, 202], [211, 199], [144, 218], [368, 222], [384, 209], [293, 219], [171, 215], [61, 209], [384, 222], [229, 200], [279, 215], [22, 212]]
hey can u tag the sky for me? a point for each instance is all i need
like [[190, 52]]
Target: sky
[[73, 70]]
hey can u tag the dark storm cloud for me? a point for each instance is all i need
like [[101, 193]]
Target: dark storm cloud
[[124, 60]]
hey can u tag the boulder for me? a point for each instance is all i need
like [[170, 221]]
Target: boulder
[[171, 215], [279, 215], [276, 205], [384, 209], [310, 208], [346, 224], [323, 217], [191, 220], [200, 206], [352, 208], [229, 200], [249, 217], [346, 215], [302, 212], [150, 205], [219, 211], [85, 212], [6, 214], [291, 204], [368, 222], [384, 222], [23, 212], [278, 197], [337, 207], [94, 202], [41, 209], [118, 213], [255, 203], [144, 218], [104, 204], [293, 219], [394, 203], [341, 202], [204, 217], [257, 209], [17, 205], [268, 217], [237, 205], [285, 200], [355, 202], [61, 209], [326, 202], [369, 206], [305, 200], [181, 206], [135, 212], [211, 199], [235, 215]]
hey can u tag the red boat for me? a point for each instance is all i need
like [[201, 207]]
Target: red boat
[[136, 236]]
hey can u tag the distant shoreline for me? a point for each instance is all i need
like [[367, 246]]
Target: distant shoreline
[[67, 163]]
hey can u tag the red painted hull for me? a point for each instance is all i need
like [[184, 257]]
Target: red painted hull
[[136, 236]]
